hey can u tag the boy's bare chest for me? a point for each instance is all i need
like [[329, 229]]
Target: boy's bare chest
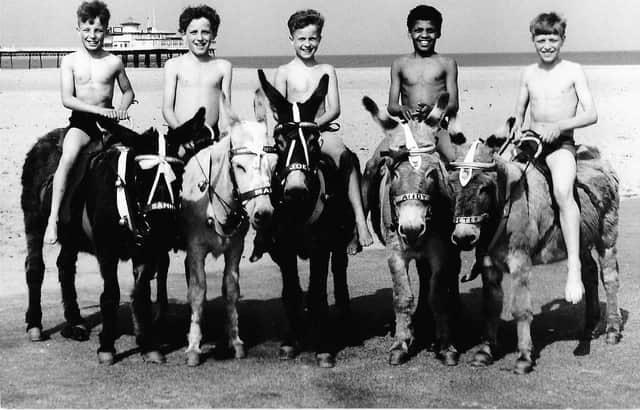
[[300, 84], [416, 73], [94, 72], [545, 85], [206, 76]]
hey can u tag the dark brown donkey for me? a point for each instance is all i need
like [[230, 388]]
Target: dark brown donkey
[[505, 209]]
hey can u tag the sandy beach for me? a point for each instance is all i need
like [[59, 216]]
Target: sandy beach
[[64, 373]]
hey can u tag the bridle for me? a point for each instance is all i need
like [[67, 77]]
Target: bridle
[[296, 135], [467, 167], [237, 216]]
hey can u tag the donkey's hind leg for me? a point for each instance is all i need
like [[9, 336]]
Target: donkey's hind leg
[[611, 282], [34, 272], [231, 294], [141, 313], [592, 302], [76, 327]]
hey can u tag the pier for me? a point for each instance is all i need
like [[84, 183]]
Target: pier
[[145, 57]]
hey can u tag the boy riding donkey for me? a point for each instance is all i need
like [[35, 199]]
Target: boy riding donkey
[[87, 80]]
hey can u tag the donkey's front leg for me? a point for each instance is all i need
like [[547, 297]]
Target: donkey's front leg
[[492, 302], [609, 276], [196, 294], [403, 303], [291, 299], [75, 328], [141, 312], [319, 308], [443, 296], [34, 273], [519, 265], [162, 300], [109, 303], [231, 294]]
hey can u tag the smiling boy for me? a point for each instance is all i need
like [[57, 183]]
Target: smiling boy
[[552, 89], [297, 80], [87, 79], [196, 79]]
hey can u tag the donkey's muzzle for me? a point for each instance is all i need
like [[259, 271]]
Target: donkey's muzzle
[[296, 194], [465, 239], [411, 234]]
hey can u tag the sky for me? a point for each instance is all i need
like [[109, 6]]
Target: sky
[[258, 27]]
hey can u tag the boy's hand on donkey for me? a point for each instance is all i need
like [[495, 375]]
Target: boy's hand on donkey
[[548, 131]]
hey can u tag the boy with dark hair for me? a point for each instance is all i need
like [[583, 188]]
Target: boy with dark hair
[[87, 80], [196, 79], [296, 80], [552, 89], [418, 79]]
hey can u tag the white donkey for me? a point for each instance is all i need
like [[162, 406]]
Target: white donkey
[[226, 186]]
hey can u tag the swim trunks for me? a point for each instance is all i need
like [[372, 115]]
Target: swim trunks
[[86, 122], [562, 142]]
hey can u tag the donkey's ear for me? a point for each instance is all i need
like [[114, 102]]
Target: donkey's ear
[[119, 133], [318, 95], [438, 112], [227, 117], [386, 122], [260, 107], [277, 100], [505, 129]]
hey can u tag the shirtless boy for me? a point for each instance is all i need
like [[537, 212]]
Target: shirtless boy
[[418, 79], [196, 79], [297, 80], [552, 89], [87, 79]]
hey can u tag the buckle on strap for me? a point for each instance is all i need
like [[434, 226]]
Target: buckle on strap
[[412, 196]]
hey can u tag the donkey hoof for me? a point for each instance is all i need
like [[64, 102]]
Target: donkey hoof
[[523, 366], [77, 332], [287, 352], [239, 352], [35, 334], [106, 358], [325, 360], [613, 337], [154, 356], [482, 359], [449, 356], [193, 359], [398, 356]]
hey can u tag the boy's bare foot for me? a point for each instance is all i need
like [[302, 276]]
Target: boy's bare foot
[[364, 236], [51, 233], [354, 246], [574, 289]]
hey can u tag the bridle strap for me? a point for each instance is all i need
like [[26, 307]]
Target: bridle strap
[[411, 196], [474, 219]]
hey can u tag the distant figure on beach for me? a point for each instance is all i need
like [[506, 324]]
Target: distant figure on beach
[[297, 80], [418, 79], [87, 79], [552, 89], [196, 79]]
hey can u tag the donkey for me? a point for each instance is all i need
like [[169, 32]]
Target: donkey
[[124, 208], [412, 213], [226, 186], [506, 210], [313, 219]]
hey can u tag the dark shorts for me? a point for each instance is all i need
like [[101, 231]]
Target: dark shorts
[[563, 142], [86, 122]]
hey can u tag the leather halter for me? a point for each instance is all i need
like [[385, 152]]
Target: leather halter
[[238, 217]]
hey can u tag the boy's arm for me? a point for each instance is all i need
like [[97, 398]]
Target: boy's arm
[[522, 102], [280, 81], [227, 73], [394, 107], [452, 88], [169, 94], [127, 92], [332, 101], [67, 91], [588, 115]]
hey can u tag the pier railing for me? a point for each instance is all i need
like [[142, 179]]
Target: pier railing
[[34, 55]]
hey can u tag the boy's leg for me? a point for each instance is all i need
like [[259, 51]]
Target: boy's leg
[[73, 143], [445, 147], [334, 147], [562, 164]]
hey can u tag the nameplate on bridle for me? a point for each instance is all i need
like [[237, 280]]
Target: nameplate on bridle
[[474, 219], [412, 196]]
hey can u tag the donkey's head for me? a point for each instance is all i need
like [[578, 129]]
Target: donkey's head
[[296, 135], [157, 175], [479, 182], [417, 180], [253, 160]]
